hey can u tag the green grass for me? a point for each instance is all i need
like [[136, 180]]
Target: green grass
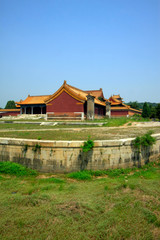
[[123, 204], [16, 169], [116, 122]]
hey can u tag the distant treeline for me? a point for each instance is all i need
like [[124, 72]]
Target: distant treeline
[[149, 110], [139, 105]]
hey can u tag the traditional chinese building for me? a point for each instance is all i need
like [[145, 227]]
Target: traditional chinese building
[[9, 112], [120, 109], [71, 102], [66, 102]]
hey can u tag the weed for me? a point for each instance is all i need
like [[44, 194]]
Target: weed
[[124, 185], [36, 148], [106, 188], [88, 145], [25, 148], [39, 138]]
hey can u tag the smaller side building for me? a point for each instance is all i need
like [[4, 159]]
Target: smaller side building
[[9, 112], [33, 105], [120, 109]]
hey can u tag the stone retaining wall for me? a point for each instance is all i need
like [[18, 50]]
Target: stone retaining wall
[[67, 156]]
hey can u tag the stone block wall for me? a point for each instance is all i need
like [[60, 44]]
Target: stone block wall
[[67, 156]]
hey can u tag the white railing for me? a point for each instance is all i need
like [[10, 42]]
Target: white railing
[[51, 115]]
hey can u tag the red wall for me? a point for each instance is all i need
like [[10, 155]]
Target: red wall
[[100, 110], [119, 113], [64, 103], [9, 113]]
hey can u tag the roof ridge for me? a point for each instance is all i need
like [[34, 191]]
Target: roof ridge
[[118, 101], [84, 91], [93, 90], [39, 95], [75, 88]]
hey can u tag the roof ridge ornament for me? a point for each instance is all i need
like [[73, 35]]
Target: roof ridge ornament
[[65, 82]]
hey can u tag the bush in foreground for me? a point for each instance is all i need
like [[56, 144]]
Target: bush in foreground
[[146, 171], [16, 169], [88, 174]]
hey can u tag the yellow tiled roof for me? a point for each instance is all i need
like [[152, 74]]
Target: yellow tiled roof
[[34, 100], [125, 107], [114, 101], [9, 110], [119, 108], [96, 93], [78, 94]]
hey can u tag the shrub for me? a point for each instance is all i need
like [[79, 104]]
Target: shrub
[[112, 173], [88, 174], [144, 141], [88, 145], [16, 169]]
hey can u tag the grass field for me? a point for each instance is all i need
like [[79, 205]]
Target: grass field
[[110, 130], [96, 133], [120, 205]]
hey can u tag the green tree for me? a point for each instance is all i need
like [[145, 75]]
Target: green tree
[[158, 111], [134, 105], [146, 111], [10, 105], [153, 112]]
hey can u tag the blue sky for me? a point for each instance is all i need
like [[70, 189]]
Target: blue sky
[[108, 44]]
